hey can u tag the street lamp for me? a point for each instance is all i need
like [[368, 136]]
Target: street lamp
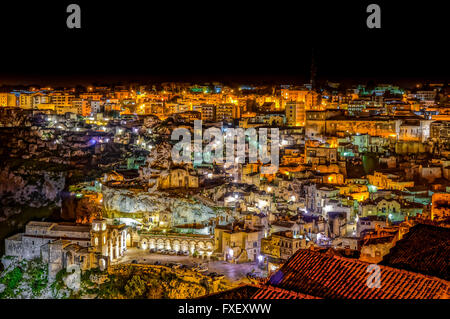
[[230, 253]]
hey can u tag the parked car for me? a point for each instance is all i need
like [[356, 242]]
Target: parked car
[[186, 253], [134, 261], [153, 250], [179, 253], [202, 269], [172, 252], [157, 263]]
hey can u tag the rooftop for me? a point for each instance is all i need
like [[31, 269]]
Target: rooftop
[[329, 276], [424, 249]]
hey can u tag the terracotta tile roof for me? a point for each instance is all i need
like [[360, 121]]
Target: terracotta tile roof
[[326, 276], [424, 249], [270, 292]]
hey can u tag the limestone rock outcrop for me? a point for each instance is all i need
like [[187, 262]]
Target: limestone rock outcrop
[[183, 210]]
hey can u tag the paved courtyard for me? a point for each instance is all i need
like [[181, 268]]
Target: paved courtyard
[[235, 273]]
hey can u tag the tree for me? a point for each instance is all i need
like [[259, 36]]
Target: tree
[[135, 287]]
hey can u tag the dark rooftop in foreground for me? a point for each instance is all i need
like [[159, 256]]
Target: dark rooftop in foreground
[[241, 292], [313, 273], [424, 249]]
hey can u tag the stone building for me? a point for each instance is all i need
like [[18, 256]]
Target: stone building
[[395, 210], [389, 179], [192, 244], [178, 178], [375, 245], [237, 244], [62, 245], [374, 126], [37, 234], [369, 223], [282, 245], [320, 155]]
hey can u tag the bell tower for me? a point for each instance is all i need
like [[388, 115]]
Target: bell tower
[[99, 236]]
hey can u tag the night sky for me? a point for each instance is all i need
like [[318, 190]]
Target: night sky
[[205, 40]]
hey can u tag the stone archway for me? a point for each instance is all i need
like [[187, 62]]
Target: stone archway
[[117, 247], [185, 245], [102, 263], [168, 245], [200, 246], [152, 243], [192, 247], [176, 245], [144, 243], [160, 244], [201, 249], [68, 259], [128, 240]]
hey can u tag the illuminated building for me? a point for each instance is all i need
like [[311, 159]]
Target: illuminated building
[[208, 112], [8, 100], [61, 100], [389, 179], [91, 96], [294, 95], [282, 245], [440, 131], [65, 244], [320, 155], [121, 94], [26, 100], [237, 245], [313, 102], [375, 126], [227, 111], [295, 113], [82, 107], [190, 116], [426, 97]]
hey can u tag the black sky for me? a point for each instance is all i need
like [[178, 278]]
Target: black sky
[[232, 40]]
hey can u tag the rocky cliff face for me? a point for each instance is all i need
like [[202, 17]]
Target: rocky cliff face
[[33, 188], [183, 210], [82, 210]]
